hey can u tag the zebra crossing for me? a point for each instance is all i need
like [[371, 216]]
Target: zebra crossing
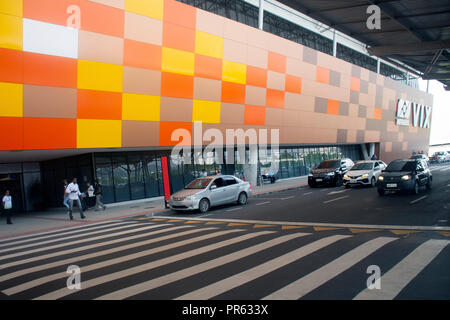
[[129, 259]]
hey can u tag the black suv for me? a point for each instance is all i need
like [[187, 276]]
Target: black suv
[[329, 172], [405, 175]]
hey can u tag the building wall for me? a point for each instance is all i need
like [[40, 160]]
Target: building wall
[[136, 70]]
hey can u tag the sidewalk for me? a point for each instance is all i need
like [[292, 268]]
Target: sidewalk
[[57, 218]]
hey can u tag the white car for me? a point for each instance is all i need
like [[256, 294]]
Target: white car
[[364, 173]]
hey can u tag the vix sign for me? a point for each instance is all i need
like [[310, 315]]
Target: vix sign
[[421, 115]]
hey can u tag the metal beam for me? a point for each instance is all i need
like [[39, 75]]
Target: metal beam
[[409, 47], [437, 76]]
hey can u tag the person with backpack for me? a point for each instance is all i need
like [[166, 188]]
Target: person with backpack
[[7, 206], [98, 196]]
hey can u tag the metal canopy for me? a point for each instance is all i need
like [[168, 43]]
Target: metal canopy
[[414, 32]]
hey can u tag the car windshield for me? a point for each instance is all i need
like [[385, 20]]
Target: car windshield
[[397, 166], [329, 164], [439, 153], [363, 166], [199, 183]]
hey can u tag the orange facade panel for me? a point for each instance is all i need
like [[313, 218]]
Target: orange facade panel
[[323, 75], [255, 115], [11, 129], [256, 76], [39, 133], [45, 70], [355, 84], [178, 37], [102, 19], [275, 98], [277, 62], [233, 92], [167, 128], [142, 55], [51, 11], [293, 84], [99, 105], [333, 107], [11, 66], [177, 85], [208, 67], [180, 13]]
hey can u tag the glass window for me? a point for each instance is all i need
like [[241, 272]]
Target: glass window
[[176, 172], [105, 178], [151, 176], [137, 183], [121, 181]]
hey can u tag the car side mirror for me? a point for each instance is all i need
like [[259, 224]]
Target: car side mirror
[[213, 187]]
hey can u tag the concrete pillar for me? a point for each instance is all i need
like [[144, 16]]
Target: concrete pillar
[[378, 65], [371, 150], [364, 151], [261, 15]]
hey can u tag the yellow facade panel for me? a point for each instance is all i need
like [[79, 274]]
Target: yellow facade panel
[[11, 100], [234, 72], [11, 32], [177, 61], [206, 111], [208, 45], [100, 76], [99, 133], [12, 7], [140, 107], [150, 8]]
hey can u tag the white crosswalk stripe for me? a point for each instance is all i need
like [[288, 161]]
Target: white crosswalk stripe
[[404, 272], [77, 234], [65, 244], [132, 250], [145, 286], [85, 227], [154, 264], [217, 288], [308, 283]]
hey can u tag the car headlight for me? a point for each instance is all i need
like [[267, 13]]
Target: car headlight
[[310, 175], [346, 177], [406, 177], [381, 178], [330, 174], [366, 175]]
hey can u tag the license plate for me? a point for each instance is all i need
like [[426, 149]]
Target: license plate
[[352, 180], [319, 180], [391, 185]]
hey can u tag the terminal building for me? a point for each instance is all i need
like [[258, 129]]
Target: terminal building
[[95, 89]]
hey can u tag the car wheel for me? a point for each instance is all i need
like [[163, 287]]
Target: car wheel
[[373, 182], [429, 184], [242, 199], [380, 192], [416, 188], [204, 205], [347, 186]]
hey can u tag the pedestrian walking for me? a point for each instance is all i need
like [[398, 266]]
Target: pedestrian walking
[[203, 174], [66, 196], [98, 196], [74, 195], [7, 206]]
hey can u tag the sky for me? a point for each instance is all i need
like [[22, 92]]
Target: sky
[[440, 117]]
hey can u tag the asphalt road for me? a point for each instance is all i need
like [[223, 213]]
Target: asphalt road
[[283, 245], [359, 205]]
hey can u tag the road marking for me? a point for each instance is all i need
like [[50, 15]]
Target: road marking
[[71, 251], [237, 224], [193, 221], [263, 225], [397, 278], [324, 228], [72, 230], [287, 198], [239, 279], [174, 220], [417, 200], [363, 230], [447, 234], [170, 278], [261, 203], [234, 209], [31, 284], [215, 222], [319, 224], [292, 227], [315, 279], [305, 194], [336, 199], [47, 234], [59, 245], [402, 232], [152, 265], [336, 192]]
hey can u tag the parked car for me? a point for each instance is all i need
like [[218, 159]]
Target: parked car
[[364, 173], [421, 156], [330, 172], [405, 175], [439, 157], [206, 192]]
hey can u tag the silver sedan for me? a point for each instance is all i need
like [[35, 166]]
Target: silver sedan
[[206, 192]]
